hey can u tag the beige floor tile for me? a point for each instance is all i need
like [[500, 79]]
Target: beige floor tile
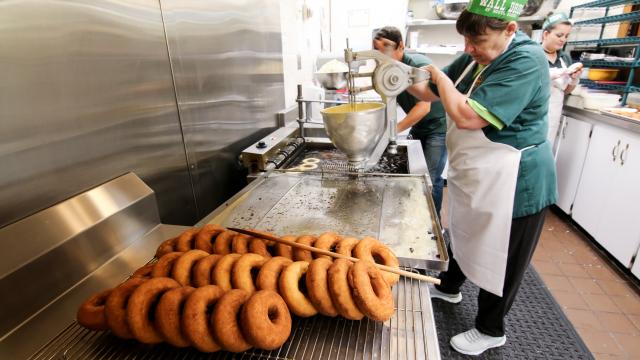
[[563, 257], [599, 356], [547, 268], [615, 287], [600, 303], [557, 283], [630, 344], [586, 286], [600, 342], [583, 319], [629, 304], [573, 270], [602, 272], [617, 323], [570, 300], [635, 319]]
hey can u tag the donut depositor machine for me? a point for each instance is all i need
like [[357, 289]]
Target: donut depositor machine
[[388, 199]]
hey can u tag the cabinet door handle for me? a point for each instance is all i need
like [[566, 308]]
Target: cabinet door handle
[[624, 152], [564, 130], [614, 151]]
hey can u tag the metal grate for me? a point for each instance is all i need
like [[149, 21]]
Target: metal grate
[[403, 337]]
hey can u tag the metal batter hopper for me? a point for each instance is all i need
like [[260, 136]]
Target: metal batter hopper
[[355, 129]]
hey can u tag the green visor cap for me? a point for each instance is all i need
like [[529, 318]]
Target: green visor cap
[[507, 10], [555, 19]]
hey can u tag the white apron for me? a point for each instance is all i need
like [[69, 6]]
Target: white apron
[[482, 185], [556, 100]]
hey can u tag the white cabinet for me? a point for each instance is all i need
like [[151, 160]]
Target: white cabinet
[[635, 270], [573, 142], [607, 202]]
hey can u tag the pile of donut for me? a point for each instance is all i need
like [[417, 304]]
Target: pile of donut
[[241, 296]]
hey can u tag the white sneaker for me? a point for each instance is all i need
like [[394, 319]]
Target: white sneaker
[[452, 298], [473, 342]]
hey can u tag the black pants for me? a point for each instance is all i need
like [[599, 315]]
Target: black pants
[[492, 309]]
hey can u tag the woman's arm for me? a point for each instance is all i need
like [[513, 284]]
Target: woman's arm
[[419, 111]]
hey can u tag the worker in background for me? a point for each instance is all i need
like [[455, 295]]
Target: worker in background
[[426, 120], [501, 176], [564, 76]]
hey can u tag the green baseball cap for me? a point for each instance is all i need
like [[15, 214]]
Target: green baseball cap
[[507, 10], [555, 19]]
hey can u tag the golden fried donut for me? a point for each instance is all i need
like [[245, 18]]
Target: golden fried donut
[[259, 246], [91, 313], [116, 307], [222, 271], [265, 320], [270, 273], [327, 241], [207, 236], [373, 250], [186, 240], [245, 270], [304, 255], [166, 247], [285, 250], [346, 245], [370, 291], [240, 244], [139, 308], [203, 270], [144, 272], [318, 287], [169, 314], [225, 326], [341, 291], [165, 264], [222, 245], [294, 291], [183, 266], [196, 317]]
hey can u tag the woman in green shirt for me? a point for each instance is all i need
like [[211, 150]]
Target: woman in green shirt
[[501, 175]]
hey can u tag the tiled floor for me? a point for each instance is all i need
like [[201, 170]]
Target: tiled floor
[[600, 302]]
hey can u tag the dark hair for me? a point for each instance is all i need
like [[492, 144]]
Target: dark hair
[[390, 33], [472, 25]]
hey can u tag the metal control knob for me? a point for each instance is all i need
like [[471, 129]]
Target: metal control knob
[[261, 144]]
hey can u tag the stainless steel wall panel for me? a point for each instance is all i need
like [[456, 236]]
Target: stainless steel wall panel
[[227, 66], [86, 94]]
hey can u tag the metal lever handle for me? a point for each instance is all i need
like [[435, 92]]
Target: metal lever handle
[[624, 152], [614, 151]]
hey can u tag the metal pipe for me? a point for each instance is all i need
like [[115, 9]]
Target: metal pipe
[[301, 117]]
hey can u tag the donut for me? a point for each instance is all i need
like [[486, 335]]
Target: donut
[[186, 241], [224, 320], [166, 247], [270, 273], [116, 307], [293, 290], [240, 244], [370, 291], [265, 320], [245, 271], [206, 237], [283, 249], [259, 246], [196, 317], [165, 264], [183, 266], [327, 241], [169, 313], [318, 288], [139, 308], [91, 313], [304, 255], [346, 245], [373, 250], [222, 271], [222, 245], [144, 272], [341, 291], [203, 270]]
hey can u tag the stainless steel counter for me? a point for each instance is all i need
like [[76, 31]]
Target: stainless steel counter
[[597, 117]]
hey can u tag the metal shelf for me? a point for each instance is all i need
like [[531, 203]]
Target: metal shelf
[[605, 3], [629, 40], [614, 64], [632, 16], [623, 88]]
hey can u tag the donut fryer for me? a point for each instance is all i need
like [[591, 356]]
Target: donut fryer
[[121, 231]]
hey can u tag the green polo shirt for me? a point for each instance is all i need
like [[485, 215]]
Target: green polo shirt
[[515, 89], [435, 121]]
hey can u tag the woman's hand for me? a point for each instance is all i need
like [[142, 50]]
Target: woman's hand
[[576, 74], [436, 74]]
